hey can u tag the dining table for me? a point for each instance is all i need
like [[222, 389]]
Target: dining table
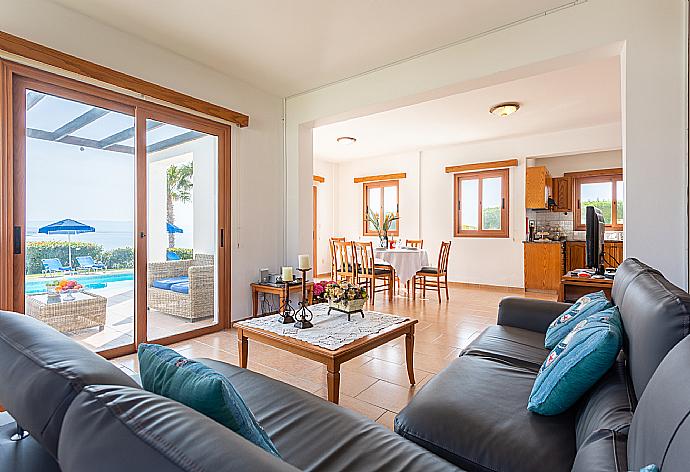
[[406, 261]]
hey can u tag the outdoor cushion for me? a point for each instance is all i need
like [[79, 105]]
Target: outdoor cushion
[[165, 372], [577, 362], [166, 283], [316, 435], [585, 306], [474, 415], [182, 287], [42, 371]]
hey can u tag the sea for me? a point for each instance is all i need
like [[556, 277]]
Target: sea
[[109, 234]]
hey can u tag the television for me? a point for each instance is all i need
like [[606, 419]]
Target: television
[[595, 239]]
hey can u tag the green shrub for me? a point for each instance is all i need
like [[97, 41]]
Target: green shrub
[[119, 258], [37, 250], [183, 252]]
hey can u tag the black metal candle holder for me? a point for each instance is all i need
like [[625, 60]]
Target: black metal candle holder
[[303, 315], [286, 310]]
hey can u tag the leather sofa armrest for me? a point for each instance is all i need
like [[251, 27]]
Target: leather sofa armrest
[[529, 313]]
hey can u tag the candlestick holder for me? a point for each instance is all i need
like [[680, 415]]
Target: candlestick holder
[[303, 315], [286, 310]]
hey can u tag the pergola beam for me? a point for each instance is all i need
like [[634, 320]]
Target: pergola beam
[[174, 141], [32, 99], [125, 134], [78, 123]]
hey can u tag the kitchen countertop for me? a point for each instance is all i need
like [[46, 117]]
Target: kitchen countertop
[[569, 241]]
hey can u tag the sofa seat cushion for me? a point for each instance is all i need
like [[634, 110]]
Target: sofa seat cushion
[[182, 287], [26, 455], [121, 429], [474, 414], [604, 451], [167, 282], [515, 346], [313, 434], [42, 371]]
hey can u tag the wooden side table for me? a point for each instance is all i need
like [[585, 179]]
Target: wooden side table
[[277, 289], [573, 287]]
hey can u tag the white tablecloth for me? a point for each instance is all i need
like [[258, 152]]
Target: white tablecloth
[[406, 262]]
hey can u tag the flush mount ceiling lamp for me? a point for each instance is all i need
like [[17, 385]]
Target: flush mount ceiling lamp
[[346, 140], [504, 109]]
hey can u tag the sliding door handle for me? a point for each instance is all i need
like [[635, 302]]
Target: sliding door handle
[[17, 239], [222, 237]]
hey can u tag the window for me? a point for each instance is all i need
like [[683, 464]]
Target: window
[[381, 198], [482, 204], [603, 191]]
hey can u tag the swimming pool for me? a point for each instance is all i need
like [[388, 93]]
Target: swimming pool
[[92, 281]]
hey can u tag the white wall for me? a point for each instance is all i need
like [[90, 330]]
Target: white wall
[[426, 198], [559, 165], [257, 167], [326, 210], [652, 38]]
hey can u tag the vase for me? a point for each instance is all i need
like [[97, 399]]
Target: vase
[[383, 242]]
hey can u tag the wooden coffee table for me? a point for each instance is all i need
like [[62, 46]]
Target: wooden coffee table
[[331, 359]]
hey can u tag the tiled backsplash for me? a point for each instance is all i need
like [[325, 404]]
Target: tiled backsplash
[[562, 222]]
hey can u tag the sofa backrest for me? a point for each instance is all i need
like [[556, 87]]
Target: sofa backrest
[[41, 371], [115, 429], [660, 430], [656, 316]]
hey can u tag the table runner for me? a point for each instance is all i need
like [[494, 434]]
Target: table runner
[[330, 331]]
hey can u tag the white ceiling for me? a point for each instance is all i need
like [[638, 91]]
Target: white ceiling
[[289, 46], [577, 97]]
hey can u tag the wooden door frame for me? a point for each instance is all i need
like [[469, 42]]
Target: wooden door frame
[[315, 193], [14, 77]]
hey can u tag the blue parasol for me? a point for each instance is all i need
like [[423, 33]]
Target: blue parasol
[[171, 228], [68, 227]]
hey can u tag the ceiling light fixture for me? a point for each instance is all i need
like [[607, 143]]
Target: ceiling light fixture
[[346, 140], [504, 109]]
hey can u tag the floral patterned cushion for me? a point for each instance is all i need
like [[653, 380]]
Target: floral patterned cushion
[[587, 305]]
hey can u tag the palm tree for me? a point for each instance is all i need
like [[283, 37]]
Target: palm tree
[[179, 189]]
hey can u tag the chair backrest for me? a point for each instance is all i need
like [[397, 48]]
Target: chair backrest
[[364, 257], [51, 264], [85, 261], [443, 255], [330, 246], [419, 243], [343, 257]]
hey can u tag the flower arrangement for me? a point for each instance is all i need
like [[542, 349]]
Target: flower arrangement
[[320, 290], [345, 297], [382, 227]]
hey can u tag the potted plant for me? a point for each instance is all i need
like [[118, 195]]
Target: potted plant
[[382, 228], [346, 297]]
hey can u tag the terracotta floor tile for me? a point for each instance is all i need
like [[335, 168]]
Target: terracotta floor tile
[[390, 372], [387, 419], [387, 395]]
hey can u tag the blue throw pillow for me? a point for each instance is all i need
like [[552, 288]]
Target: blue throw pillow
[[650, 468], [585, 306], [577, 362], [167, 373]]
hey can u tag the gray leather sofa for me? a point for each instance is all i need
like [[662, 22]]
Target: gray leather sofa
[[84, 414], [474, 413]]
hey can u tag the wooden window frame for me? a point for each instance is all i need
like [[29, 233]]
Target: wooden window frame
[[504, 232], [14, 80], [593, 178], [365, 205]]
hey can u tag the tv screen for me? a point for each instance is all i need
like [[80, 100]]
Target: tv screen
[[595, 238]]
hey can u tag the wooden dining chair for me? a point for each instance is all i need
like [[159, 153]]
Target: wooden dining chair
[[345, 265], [368, 271], [418, 243], [330, 245], [434, 277]]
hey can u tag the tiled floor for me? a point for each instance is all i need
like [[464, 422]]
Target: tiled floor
[[376, 383]]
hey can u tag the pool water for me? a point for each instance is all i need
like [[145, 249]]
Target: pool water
[[93, 281]]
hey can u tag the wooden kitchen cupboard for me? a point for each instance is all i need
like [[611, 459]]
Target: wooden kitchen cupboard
[[538, 185], [562, 194], [543, 266]]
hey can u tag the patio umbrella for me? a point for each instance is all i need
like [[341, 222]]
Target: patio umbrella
[[171, 228], [68, 227]]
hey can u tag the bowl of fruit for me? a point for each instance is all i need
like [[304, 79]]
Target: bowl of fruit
[[65, 287]]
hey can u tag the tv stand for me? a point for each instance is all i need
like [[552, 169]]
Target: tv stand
[[573, 287]]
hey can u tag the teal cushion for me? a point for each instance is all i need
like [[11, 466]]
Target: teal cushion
[[577, 362], [585, 306], [650, 468], [167, 373]]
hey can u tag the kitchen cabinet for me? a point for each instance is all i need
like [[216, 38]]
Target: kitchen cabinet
[[538, 184], [562, 194], [543, 265], [576, 254]]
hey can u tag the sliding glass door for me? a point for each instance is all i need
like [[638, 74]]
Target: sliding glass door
[[119, 211]]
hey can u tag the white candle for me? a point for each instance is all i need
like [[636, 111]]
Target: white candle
[[304, 261], [287, 274]]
